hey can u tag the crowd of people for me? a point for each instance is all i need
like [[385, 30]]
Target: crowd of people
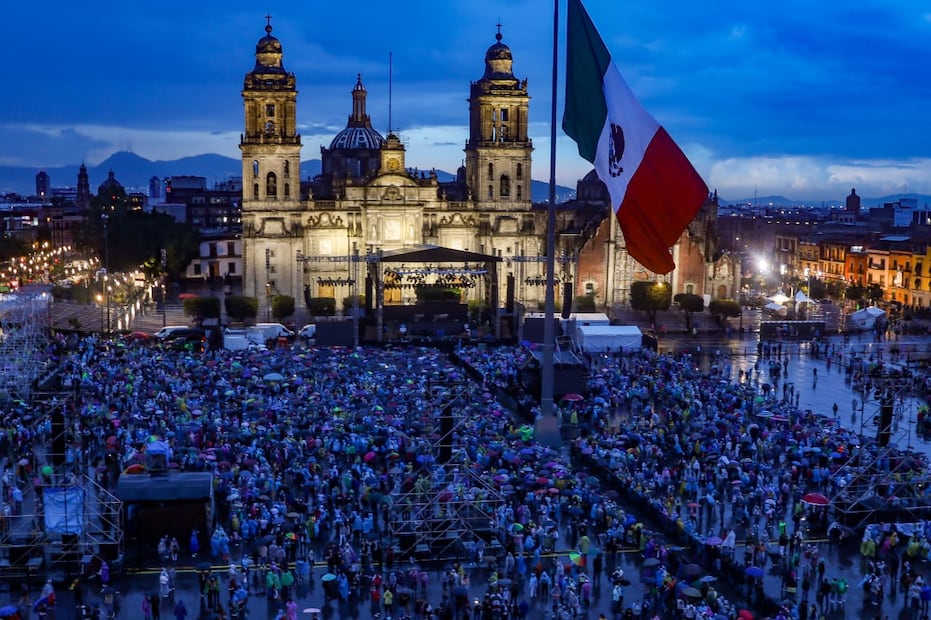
[[324, 456]]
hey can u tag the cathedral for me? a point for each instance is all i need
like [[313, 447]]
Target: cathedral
[[318, 237]]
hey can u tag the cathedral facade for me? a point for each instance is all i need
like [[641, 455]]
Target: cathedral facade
[[320, 237], [307, 239]]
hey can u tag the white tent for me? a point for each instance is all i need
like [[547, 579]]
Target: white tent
[[802, 298], [866, 318], [776, 308], [604, 338], [779, 298]]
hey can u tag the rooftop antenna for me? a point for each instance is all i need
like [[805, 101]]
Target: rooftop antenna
[[390, 84]]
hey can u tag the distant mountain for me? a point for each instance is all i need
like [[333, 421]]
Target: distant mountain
[[134, 171], [764, 201], [865, 203]]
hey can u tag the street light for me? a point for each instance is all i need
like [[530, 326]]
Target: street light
[[106, 277], [100, 305]]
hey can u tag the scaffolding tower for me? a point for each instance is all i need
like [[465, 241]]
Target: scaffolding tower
[[24, 321], [447, 507], [885, 481]]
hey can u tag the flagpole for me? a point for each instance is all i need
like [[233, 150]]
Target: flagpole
[[547, 430]]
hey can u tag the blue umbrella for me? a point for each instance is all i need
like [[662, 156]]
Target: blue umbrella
[[8, 610], [754, 571]]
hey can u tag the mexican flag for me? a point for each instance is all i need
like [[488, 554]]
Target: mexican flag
[[654, 189]]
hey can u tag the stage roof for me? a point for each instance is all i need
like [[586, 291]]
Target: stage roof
[[435, 254]]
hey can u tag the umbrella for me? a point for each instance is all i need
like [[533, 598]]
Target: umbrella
[[692, 592], [650, 562], [504, 582], [708, 579], [745, 614], [816, 499], [328, 577], [573, 397], [273, 376], [312, 610], [714, 541], [692, 570], [753, 571], [9, 610]]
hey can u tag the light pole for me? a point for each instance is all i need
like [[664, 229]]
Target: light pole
[[106, 277], [100, 305]]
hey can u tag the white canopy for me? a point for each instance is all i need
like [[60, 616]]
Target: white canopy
[[776, 308], [802, 298], [779, 298]]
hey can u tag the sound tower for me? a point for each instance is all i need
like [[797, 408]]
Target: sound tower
[[509, 295], [445, 448], [369, 294]]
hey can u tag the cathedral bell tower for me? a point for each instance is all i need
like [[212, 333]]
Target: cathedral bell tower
[[271, 180], [498, 150]]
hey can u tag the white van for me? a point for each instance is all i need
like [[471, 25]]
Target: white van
[[273, 331]]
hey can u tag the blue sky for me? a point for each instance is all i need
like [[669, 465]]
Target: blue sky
[[805, 99]]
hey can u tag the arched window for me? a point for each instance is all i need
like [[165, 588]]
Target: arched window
[[271, 185], [287, 168], [491, 170], [287, 190], [505, 186], [519, 193], [520, 172], [255, 191], [255, 167]]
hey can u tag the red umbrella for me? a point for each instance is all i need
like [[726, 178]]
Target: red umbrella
[[573, 397], [368, 456], [816, 499], [745, 614]]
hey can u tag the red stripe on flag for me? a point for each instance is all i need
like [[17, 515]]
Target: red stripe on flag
[[662, 198]]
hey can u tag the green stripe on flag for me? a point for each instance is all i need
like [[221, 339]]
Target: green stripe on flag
[[587, 60]]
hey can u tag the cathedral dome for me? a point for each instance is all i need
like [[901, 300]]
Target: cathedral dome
[[268, 44], [498, 60], [357, 138], [268, 54], [110, 186]]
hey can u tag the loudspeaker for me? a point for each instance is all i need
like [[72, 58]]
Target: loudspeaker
[[885, 421], [58, 437], [445, 452], [509, 295], [566, 299]]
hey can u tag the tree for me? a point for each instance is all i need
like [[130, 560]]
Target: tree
[[650, 297], [835, 289], [585, 303], [282, 307], [855, 292], [322, 306], [689, 303], [348, 303], [723, 309], [200, 308], [874, 293], [239, 308], [134, 239]]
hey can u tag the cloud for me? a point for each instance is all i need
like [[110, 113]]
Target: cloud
[[819, 178]]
